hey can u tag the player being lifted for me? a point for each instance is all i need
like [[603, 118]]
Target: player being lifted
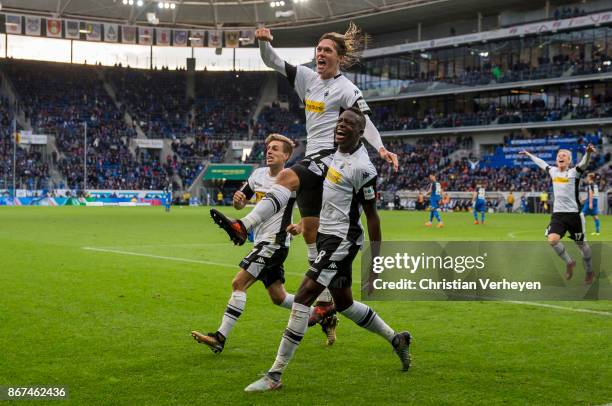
[[479, 204], [265, 261], [325, 94], [567, 216], [435, 195], [591, 207], [349, 187]]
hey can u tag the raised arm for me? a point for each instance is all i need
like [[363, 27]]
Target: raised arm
[[268, 54], [539, 162], [585, 158]]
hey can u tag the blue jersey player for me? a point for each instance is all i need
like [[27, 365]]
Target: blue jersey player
[[479, 204], [590, 207], [168, 199], [435, 196]]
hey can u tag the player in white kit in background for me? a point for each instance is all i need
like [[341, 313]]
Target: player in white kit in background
[[325, 94], [567, 216]]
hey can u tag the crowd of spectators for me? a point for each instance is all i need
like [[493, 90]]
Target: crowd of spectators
[[225, 102], [277, 119], [389, 118], [155, 99], [58, 99], [491, 73], [418, 160], [31, 169]]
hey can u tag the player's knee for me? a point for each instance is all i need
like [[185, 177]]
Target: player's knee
[[276, 298], [289, 179], [342, 305], [553, 240], [238, 284]]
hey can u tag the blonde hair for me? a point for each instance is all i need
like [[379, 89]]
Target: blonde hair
[[348, 45], [287, 143], [568, 152]]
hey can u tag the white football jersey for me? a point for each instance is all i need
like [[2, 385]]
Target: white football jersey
[[565, 189], [324, 100], [273, 229], [350, 180]]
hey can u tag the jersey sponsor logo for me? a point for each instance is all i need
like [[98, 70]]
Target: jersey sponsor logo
[[559, 179], [259, 196], [314, 106], [333, 175], [368, 192]]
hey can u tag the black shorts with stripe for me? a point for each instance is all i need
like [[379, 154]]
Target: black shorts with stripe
[[333, 266], [312, 171], [265, 262], [571, 223]]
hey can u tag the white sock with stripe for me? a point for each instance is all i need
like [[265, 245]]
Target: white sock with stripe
[[298, 323], [562, 252], [365, 317], [234, 309]]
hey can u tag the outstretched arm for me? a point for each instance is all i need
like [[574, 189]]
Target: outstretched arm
[[271, 58], [372, 136], [540, 162], [586, 157]]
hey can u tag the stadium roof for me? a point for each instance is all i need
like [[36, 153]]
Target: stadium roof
[[303, 20]]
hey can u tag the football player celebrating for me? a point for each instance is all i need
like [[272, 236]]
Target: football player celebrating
[[349, 187], [325, 94], [567, 217], [265, 261]]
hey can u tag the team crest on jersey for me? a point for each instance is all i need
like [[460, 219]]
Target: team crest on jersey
[[365, 175], [314, 106], [333, 176]]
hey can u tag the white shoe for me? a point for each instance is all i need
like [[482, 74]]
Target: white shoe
[[263, 384]]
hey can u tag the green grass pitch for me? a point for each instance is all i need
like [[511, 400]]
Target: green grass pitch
[[113, 323]]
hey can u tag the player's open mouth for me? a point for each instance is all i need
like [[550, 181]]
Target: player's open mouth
[[340, 135], [321, 63]]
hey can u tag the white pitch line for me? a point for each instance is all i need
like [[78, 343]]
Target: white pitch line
[[163, 245], [193, 261], [138, 254], [550, 306]]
